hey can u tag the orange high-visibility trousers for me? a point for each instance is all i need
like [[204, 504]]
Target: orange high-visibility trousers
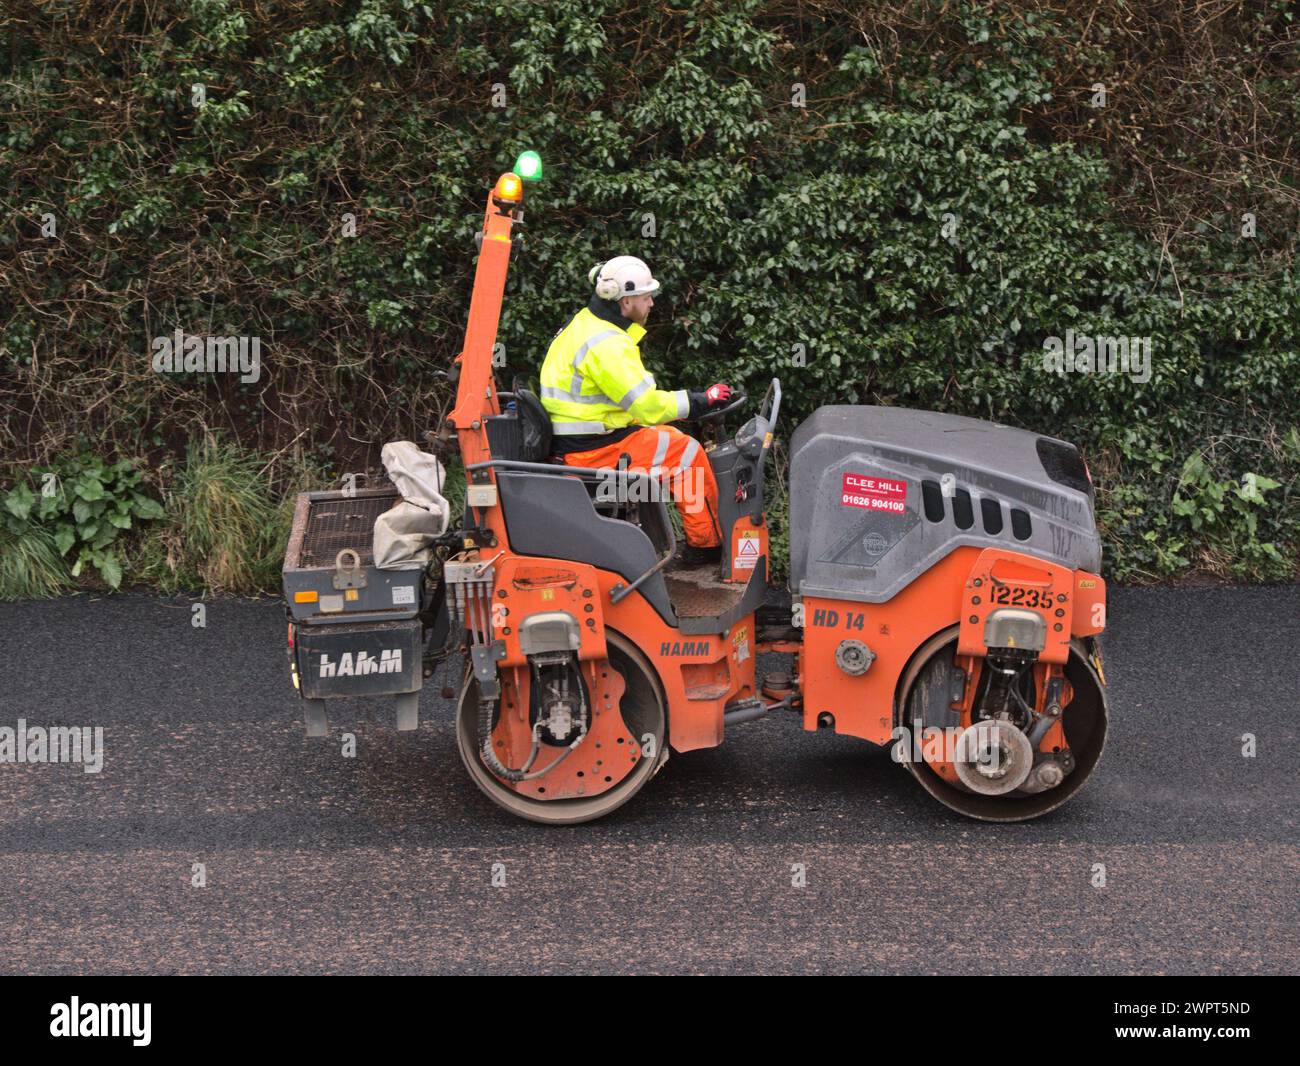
[[682, 467]]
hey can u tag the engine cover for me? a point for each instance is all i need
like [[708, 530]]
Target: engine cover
[[878, 495]]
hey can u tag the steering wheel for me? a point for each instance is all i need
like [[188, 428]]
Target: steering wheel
[[738, 399]]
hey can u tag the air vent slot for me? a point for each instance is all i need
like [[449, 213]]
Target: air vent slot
[[932, 498], [991, 514], [962, 512], [1021, 527]]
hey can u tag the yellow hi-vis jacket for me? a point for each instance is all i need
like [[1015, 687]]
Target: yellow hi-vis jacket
[[593, 380]]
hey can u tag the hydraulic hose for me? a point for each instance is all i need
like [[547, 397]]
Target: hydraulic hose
[[495, 765], [489, 756]]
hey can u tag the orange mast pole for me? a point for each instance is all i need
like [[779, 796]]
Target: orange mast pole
[[476, 393]]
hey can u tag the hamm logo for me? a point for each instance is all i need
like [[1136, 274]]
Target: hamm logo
[[389, 662], [684, 647]]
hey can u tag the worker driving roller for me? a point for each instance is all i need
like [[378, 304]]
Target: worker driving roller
[[603, 403]]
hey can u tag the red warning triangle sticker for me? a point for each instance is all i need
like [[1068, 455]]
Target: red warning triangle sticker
[[748, 546]]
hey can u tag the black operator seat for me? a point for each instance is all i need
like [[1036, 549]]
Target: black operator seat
[[535, 427]]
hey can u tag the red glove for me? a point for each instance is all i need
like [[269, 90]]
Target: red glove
[[717, 394]]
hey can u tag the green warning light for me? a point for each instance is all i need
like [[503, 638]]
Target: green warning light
[[529, 166]]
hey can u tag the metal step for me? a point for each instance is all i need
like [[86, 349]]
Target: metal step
[[698, 593]]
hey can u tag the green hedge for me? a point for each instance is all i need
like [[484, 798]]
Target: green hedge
[[888, 206]]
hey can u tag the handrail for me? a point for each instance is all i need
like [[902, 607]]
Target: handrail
[[771, 420], [618, 592]]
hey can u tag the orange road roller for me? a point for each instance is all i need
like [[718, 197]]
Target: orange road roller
[[943, 600]]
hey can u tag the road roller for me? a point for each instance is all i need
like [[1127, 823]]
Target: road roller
[[943, 599]]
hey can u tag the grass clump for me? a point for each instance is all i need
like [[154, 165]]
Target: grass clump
[[227, 521]]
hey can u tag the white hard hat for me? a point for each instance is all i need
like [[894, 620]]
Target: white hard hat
[[624, 275]]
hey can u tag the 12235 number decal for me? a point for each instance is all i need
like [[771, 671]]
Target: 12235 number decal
[[1019, 596]]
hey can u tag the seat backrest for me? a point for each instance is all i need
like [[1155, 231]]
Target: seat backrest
[[535, 426], [552, 515]]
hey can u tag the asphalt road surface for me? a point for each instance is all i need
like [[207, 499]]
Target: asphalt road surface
[[384, 863]]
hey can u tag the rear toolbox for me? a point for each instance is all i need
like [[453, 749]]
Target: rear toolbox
[[354, 629], [323, 589]]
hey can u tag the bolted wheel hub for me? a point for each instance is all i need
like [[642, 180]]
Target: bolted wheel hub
[[993, 758]]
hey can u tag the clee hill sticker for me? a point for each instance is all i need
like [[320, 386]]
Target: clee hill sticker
[[874, 493]]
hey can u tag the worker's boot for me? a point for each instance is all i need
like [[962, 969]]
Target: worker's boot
[[690, 556]]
